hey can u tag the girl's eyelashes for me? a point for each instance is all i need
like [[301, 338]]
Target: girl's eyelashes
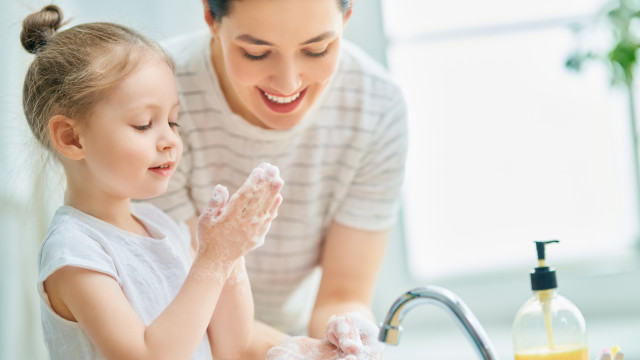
[[142, 127], [149, 125]]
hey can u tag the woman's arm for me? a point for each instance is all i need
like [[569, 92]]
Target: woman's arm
[[263, 338], [351, 260]]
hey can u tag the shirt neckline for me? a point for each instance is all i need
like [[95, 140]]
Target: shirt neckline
[[156, 234]]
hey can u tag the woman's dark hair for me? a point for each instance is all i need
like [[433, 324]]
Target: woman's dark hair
[[221, 8]]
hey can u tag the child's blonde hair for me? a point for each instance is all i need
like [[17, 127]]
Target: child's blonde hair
[[75, 68]]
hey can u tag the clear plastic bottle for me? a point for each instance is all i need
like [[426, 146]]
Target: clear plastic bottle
[[548, 326]]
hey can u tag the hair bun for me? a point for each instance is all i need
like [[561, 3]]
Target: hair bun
[[37, 28]]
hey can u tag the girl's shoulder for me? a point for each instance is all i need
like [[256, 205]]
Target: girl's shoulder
[[73, 239]]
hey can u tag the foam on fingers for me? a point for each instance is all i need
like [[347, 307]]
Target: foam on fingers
[[355, 335], [342, 333]]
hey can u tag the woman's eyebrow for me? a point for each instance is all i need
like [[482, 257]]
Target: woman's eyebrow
[[320, 37], [252, 40], [255, 41]]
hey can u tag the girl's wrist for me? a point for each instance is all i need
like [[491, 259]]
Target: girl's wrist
[[209, 264], [238, 273]]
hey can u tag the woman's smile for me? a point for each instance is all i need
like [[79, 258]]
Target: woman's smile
[[282, 104]]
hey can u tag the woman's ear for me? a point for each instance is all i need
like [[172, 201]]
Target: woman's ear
[[65, 137], [211, 22], [207, 13], [347, 14]]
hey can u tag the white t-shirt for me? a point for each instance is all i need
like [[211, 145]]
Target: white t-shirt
[[343, 162], [150, 270]]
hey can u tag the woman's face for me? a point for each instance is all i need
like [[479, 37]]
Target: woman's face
[[276, 57]]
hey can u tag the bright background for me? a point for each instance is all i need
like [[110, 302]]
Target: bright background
[[506, 147]]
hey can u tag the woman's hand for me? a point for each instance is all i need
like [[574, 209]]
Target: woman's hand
[[355, 335], [230, 227], [305, 348]]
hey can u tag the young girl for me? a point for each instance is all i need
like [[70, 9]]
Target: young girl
[[120, 280]]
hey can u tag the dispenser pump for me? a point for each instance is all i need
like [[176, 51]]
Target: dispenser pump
[[543, 277], [548, 326]]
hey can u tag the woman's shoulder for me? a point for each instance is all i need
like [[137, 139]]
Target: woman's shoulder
[[355, 62], [360, 82], [185, 48]]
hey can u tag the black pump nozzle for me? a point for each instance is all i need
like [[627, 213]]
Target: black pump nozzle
[[543, 277], [540, 247]]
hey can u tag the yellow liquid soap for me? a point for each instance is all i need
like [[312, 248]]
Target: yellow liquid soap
[[561, 352]]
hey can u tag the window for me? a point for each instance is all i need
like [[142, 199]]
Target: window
[[506, 145]]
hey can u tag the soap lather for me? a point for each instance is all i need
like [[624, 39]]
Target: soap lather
[[548, 326]]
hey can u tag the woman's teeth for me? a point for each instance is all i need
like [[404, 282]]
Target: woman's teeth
[[280, 99]]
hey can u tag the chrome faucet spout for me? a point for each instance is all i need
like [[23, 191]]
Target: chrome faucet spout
[[466, 320]]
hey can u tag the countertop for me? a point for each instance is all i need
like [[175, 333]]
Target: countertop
[[447, 342]]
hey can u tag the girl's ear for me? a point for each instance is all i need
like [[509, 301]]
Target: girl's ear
[[65, 137]]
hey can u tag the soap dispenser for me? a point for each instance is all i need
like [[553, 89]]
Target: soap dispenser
[[548, 326]]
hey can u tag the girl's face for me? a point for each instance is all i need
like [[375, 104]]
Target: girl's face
[[276, 57], [131, 141]]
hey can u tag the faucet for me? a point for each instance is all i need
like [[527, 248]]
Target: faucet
[[468, 323]]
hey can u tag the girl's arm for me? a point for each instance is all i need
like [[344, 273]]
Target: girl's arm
[[230, 328], [97, 303], [226, 231]]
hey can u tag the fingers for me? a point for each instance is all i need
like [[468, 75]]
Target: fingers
[[255, 196], [343, 334], [349, 357], [270, 185], [368, 330], [219, 197], [239, 223], [354, 335], [304, 348]]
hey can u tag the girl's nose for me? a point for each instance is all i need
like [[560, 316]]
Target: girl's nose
[[169, 138]]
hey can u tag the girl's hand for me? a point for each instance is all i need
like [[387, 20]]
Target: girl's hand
[[230, 227], [355, 335], [305, 348]]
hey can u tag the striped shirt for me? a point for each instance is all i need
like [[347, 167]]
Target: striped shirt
[[343, 162]]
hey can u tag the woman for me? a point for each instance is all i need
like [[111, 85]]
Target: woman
[[274, 81]]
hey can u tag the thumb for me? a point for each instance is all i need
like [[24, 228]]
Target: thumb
[[219, 198]]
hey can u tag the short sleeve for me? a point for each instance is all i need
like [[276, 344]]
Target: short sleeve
[[66, 247], [373, 199]]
